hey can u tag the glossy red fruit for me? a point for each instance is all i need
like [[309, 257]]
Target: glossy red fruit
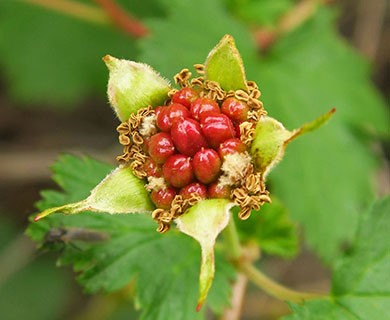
[[194, 188], [163, 197], [161, 147], [207, 165], [216, 128], [185, 96], [178, 171], [187, 136], [230, 146], [152, 169], [216, 191], [235, 109], [166, 116], [202, 106]]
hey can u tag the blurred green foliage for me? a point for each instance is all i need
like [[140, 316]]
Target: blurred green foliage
[[326, 180]]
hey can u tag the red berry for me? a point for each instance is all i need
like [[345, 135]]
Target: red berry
[[231, 146], [177, 170], [235, 109], [196, 187], [152, 169], [187, 136], [216, 128], [238, 130], [167, 115], [216, 191], [185, 96], [163, 198], [202, 106], [207, 165], [161, 147]]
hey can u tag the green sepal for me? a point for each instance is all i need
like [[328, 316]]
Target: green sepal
[[204, 222], [119, 192], [224, 65], [271, 140], [132, 86]]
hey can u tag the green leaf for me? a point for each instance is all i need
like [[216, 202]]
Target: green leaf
[[119, 192], [198, 33], [360, 288], [224, 65], [164, 268], [264, 12], [204, 222], [318, 180], [271, 229], [48, 57]]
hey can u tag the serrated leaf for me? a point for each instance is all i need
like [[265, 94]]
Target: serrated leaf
[[271, 229], [224, 65], [360, 288], [322, 166], [163, 267]]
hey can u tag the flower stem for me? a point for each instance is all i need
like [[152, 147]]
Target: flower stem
[[232, 240], [273, 288], [255, 275]]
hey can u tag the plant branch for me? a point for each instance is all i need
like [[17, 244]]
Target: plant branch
[[75, 9], [123, 19], [245, 266], [238, 294], [288, 22]]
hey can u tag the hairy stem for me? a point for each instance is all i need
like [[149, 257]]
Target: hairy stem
[[74, 9], [255, 275]]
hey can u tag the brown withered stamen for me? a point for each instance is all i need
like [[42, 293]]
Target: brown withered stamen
[[182, 78], [247, 132], [199, 68]]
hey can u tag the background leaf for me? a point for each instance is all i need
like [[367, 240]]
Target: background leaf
[[60, 62], [163, 268], [360, 287], [271, 229]]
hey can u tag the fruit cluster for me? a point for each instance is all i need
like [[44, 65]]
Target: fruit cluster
[[194, 147], [195, 136]]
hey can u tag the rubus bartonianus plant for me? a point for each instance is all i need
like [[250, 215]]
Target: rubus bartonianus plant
[[190, 153]]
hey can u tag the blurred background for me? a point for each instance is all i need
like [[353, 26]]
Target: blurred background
[[53, 101]]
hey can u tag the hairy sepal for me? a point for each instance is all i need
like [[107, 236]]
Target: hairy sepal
[[119, 192], [132, 86], [204, 222], [272, 138], [225, 66]]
